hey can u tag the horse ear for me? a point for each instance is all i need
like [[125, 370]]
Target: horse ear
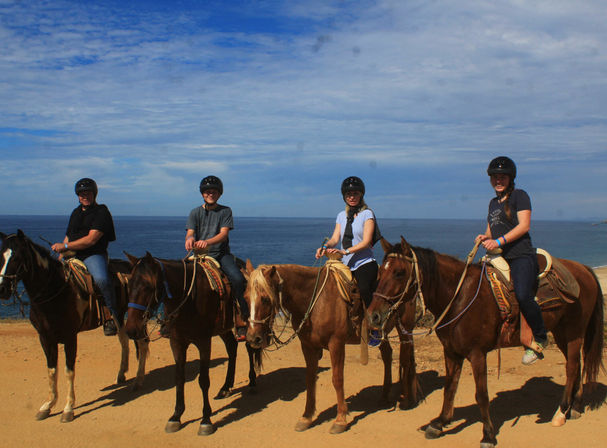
[[148, 255], [132, 259], [406, 247], [20, 233], [2, 235], [249, 266], [385, 245]]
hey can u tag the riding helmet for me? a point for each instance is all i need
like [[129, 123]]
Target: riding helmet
[[211, 183], [86, 184], [502, 165], [352, 183]]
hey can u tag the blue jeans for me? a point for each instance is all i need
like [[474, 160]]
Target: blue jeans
[[524, 271], [237, 280], [98, 268]]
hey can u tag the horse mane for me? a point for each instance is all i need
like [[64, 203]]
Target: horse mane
[[43, 255]]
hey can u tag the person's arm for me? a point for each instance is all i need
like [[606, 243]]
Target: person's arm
[[367, 241], [484, 236], [219, 238], [189, 240], [331, 242], [80, 244], [523, 226]]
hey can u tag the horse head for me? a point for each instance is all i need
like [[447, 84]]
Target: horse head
[[144, 284], [263, 296], [14, 262], [398, 277]]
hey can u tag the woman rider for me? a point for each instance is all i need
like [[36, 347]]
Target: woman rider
[[508, 224], [355, 228]]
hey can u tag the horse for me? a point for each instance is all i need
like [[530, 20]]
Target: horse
[[321, 320], [53, 312], [472, 324], [192, 318]]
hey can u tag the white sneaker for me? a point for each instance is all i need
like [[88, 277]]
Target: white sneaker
[[530, 355]]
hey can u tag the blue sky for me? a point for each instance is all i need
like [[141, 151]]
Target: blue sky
[[284, 99]]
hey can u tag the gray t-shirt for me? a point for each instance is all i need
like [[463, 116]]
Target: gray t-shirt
[[207, 223]]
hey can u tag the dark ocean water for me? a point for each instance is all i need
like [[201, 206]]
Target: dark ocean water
[[294, 240]]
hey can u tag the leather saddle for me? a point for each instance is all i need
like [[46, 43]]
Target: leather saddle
[[556, 287]]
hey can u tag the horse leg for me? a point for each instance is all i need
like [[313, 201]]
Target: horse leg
[[231, 348], [70, 348], [479, 370], [143, 347], [206, 426], [386, 355], [453, 370], [409, 386], [50, 351], [311, 357], [252, 371], [337, 349], [179, 350], [572, 393], [124, 355]]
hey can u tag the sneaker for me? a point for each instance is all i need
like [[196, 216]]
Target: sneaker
[[241, 334], [374, 338], [531, 355], [109, 328]]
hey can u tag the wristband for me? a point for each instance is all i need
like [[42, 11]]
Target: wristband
[[347, 251], [504, 239], [323, 247], [65, 244], [499, 244]]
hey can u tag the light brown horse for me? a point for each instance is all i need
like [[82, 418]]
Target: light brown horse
[[325, 324], [472, 324]]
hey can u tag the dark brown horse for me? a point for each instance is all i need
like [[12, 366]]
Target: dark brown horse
[[471, 326], [53, 311], [312, 299], [193, 308]]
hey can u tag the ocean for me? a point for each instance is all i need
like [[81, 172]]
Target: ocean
[[294, 240]]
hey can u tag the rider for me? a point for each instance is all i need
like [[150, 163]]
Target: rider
[[208, 227], [89, 231], [357, 231], [508, 224]]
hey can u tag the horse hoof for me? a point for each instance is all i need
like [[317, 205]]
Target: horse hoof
[[41, 415], [172, 426], [574, 415], [338, 428], [206, 429], [559, 418], [121, 379], [487, 445], [67, 417], [432, 432], [223, 393], [302, 425]]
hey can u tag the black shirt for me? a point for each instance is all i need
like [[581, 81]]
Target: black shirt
[[95, 217], [499, 224]]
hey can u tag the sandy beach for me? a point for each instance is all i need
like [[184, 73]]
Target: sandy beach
[[523, 399]]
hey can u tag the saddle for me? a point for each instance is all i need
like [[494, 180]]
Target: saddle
[[348, 290], [89, 303], [219, 282], [556, 287]]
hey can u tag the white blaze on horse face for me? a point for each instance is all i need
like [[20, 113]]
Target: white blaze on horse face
[[387, 264], [7, 256]]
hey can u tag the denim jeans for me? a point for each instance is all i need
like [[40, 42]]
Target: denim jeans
[[97, 266], [229, 267], [524, 272]]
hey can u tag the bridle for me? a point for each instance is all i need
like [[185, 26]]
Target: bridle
[[414, 281]]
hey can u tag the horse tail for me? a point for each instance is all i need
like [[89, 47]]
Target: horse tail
[[593, 339]]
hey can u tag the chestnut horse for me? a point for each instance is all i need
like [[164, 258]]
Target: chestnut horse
[[192, 307], [320, 322], [472, 324], [53, 311]]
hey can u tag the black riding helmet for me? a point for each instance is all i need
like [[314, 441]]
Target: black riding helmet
[[211, 183], [502, 165], [352, 183], [86, 184]]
